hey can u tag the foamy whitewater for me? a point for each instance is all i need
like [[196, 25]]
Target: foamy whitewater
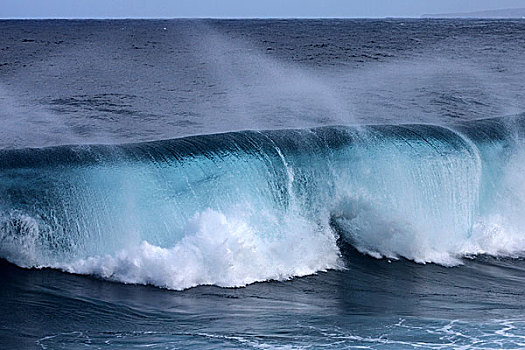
[[262, 184], [220, 251]]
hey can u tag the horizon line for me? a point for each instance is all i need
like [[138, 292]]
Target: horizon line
[[423, 17]]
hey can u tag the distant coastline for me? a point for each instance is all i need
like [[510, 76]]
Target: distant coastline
[[505, 13]]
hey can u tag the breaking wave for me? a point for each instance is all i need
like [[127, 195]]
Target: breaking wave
[[235, 208]]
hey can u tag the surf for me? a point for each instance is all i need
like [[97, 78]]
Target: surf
[[236, 208]]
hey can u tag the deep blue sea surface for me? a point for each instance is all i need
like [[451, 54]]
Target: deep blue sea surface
[[262, 184]]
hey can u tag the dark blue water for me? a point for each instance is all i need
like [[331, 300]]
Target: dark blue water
[[281, 184]]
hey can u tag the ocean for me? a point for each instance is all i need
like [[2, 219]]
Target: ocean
[[262, 184]]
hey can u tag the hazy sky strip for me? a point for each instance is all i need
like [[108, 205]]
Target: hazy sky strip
[[242, 8]]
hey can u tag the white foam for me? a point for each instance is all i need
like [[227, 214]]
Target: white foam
[[219, 250], [19, 248], [497, 230], [497, 235], [501, 231]]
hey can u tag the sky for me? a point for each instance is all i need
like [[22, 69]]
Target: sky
[[242, 8]]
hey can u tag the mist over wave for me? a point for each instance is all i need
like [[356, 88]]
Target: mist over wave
[[146, 81]]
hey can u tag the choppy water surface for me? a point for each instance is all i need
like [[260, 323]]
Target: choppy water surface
[[262, 184]]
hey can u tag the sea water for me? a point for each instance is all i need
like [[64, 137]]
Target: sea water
[[288, 184]]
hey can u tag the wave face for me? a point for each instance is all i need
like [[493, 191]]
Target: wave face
[[235, 208]]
